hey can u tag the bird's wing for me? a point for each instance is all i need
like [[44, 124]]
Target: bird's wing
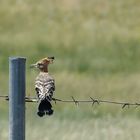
[[45, 87]]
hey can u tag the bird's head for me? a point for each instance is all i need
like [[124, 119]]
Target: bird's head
[[43, 63]]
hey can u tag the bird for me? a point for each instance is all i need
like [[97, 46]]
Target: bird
[[44, 86]]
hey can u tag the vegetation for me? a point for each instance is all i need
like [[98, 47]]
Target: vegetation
[[96, 44]]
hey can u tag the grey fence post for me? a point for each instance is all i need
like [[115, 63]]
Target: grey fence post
[[17, 98]]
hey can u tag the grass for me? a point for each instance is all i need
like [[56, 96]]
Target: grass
[[104, 128], [96, 44], [99, 129]]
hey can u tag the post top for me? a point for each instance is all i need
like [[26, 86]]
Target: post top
[[17, 58]]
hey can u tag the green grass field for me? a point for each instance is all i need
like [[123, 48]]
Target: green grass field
[[96, 44]]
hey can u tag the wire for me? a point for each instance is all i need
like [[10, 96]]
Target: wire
[[77, 102]]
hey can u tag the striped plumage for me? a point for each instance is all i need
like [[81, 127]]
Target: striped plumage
[[44, 86]]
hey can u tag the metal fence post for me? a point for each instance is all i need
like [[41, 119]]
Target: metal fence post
[[17, 98]]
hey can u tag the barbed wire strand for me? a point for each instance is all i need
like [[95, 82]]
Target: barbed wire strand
[[77, 102]]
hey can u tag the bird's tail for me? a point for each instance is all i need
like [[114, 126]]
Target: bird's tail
[[44, 107]]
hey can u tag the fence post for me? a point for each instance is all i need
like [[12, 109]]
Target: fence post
[[17, 98]]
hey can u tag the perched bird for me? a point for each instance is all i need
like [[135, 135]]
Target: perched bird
[[44, 86]]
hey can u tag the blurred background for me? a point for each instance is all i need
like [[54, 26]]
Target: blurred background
[[96, 44]]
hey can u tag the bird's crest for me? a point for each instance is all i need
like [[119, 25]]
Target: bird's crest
[[46, 60], [43, 62]]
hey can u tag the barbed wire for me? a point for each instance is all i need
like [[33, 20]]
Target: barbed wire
[[77, 102]]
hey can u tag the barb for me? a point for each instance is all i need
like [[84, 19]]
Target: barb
[[77, 102], [94, 101], [125, 104]]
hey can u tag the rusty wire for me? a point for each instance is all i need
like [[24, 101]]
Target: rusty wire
[[77, 102]]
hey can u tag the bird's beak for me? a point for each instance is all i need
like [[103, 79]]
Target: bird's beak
[[33, 66]]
